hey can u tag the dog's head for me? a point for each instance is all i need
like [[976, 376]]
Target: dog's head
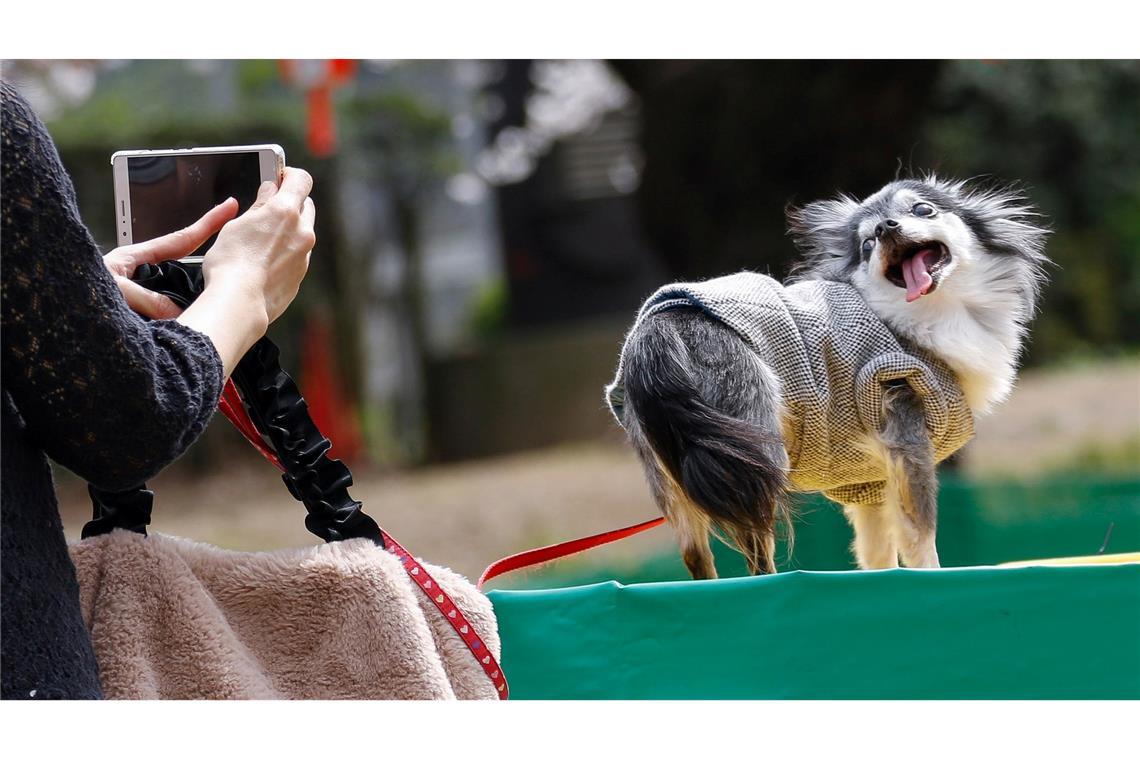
[[925, 239]]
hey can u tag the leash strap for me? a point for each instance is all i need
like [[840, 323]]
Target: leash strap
[[452, 614], [550, 553]]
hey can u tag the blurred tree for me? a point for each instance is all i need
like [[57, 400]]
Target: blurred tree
[[1070, 131], [728, 144], [564, 157], [401, 144]]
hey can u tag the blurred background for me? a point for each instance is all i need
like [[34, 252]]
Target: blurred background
[[487, 230]]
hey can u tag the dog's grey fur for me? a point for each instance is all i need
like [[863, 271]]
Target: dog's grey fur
[[705, 414]]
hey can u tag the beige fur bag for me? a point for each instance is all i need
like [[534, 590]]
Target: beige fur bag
[[175, 619]]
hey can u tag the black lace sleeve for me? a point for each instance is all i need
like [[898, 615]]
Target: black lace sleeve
[[112, 397]]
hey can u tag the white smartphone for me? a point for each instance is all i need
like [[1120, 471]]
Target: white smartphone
[[160, 191]]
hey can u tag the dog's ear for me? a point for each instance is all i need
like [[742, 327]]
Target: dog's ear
[[1000, 215], [1005, 223], [822, 231]]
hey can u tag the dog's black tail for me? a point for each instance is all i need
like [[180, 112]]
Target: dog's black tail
[[720, 445]]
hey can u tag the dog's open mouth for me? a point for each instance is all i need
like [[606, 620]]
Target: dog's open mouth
[[918, 268]]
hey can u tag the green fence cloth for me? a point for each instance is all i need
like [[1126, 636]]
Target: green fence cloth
[[972, 632], [976, 633]]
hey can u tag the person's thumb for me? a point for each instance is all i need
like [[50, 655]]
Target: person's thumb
[[264, 193]]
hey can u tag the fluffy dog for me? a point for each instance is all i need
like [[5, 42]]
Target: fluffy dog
[[905, 318]]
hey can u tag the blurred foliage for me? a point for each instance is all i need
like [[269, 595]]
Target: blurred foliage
[[1070, 131], [168, 104], [257, 77], [1102, 458], [409, 134], [399, 142], [489, 311]]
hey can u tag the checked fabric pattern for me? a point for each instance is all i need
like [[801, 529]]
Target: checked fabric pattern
[[834, 359]]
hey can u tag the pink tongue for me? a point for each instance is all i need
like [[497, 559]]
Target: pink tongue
[[916, 275]]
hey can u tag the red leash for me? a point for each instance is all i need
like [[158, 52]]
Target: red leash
[[451, 612], [232, 407], [565, 549]]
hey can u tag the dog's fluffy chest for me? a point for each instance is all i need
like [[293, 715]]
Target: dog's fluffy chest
[[976, 329]]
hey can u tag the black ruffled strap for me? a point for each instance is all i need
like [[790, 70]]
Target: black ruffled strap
[[279, 413]]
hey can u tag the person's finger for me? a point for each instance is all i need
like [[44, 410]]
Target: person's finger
[[264, 193], [147, 302], [295, 188], [184, 241], [308, 214], [119, 261]]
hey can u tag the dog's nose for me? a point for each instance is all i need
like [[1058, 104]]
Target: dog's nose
[[886, 226]]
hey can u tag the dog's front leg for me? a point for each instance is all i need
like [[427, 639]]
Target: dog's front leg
[[912, 484], [874, 547]]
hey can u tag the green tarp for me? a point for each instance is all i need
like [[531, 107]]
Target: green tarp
[[1039, 632], [977, 632]]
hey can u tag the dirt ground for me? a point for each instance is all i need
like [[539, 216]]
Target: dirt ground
[[467, 515], [1056, 414]]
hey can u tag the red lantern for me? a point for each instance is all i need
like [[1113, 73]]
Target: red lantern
[[318, 78]]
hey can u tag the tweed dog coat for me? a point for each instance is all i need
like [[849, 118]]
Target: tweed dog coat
[[833, 358]]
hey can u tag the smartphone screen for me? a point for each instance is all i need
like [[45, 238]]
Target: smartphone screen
[[171, 192]]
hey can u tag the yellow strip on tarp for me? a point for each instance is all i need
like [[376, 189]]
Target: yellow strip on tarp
[[1094, 559]]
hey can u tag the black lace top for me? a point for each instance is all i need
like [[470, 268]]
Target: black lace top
[[86, 382]]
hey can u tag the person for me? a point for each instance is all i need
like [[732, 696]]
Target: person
[[107, 394]]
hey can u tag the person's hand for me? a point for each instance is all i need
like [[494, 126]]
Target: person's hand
[[255, 268], [264, 253], [123, 261]]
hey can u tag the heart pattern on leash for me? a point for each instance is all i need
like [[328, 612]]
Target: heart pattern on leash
[[452, 614]]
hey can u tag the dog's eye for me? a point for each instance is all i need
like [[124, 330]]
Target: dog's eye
[[867, 247], [922, 209]]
